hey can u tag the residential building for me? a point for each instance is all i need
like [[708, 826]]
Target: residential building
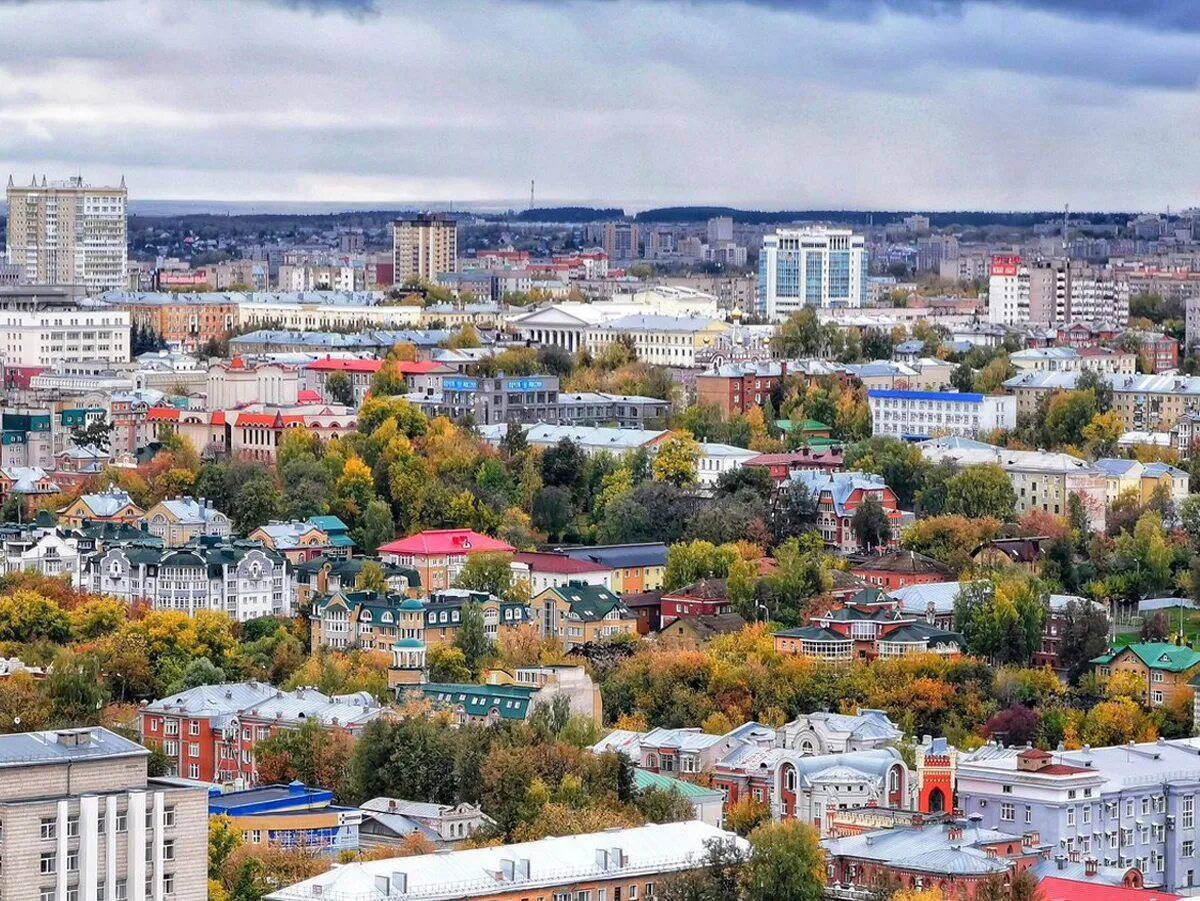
[[1160, 667], [739, 387], [1142, 479], [636, 568], [181, 519], [1126, 806], [293, 817], [438, 555], [694, 632], [591, 439], [112, 505], [1041, 481], [26, 481], [1070, 359], [1144, 402], [954, 858], [703, 598], [899, 569], [866, 631], [837, 497], [514, 696], [443, 614], [303, 540], [352, 619], [329, 574], [1052, 628], [43, 327], [554, 570], [209, 733], [688, 752], [925, 414], [717, 459], [838, 733], [578, 613], [255, 430], [187, 321], [708, 804], [41, 547], [319, 311], [783, 466], [647, 607], [359, 372], [68, 233], [240, 578], [631, 862], [423, 248], [82, 819], [1159, 352], [621, 241], [811, 267], [388, 821]]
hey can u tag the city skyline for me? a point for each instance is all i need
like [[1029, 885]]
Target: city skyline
[[768, 105]]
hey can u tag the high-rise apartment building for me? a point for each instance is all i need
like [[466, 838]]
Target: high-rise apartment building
[[1054, 292], [83, 821], [621, 241], [811, 267], [69, 233], [424, 247]]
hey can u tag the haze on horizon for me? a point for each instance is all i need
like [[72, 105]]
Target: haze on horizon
[[769, 104]]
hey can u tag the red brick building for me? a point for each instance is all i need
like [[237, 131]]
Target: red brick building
[[781, 466], [209, 733], [739, 387], [703, 598], [899, 569]]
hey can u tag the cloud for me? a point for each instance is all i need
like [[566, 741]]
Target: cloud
[[641, 102]]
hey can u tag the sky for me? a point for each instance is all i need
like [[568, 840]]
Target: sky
[[768, 104]]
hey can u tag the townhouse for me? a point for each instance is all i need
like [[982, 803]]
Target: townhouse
[[181, 519], [636, 568], [209, 733], [302, 540], [240, 578], [837, 496], [543, 570], [113, 505], [1159, 667], [578, 613]]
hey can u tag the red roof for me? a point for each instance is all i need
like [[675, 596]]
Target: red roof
[[1054, 889], [162, 414], [445, 542], [331, 365], [308, 397], [421, 368], [218, 418], [559, 564]]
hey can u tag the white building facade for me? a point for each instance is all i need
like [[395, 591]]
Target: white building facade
[[924, 414], [811, 267]]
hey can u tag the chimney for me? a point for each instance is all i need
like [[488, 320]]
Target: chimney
[[1090, 866], [1060, 861]]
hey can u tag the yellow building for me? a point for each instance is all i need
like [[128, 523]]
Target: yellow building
[[113, 505], [577, 614]]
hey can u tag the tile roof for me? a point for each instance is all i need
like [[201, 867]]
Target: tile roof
[[1157, 655], [561, 564]]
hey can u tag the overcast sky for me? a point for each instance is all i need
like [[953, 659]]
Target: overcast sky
[[930, 104]]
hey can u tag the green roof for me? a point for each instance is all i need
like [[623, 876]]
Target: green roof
[[643, 779], [808, 425], [588, 602], [1158, 655], [511, 702]]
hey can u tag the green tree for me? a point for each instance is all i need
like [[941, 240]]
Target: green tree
[[695, 560], [981, 491], [870, 524], [490, 572], [1083, 636], [340, 389], [552, 511], [471, 637], [900, 463], [1001, 621], [786, 864], [1068, 413], [26, 616], [371, 578], [75, 688], [375, 528], [563, 464]]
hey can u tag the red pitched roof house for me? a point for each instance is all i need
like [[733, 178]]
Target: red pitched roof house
[[546, 570], [439, 554]]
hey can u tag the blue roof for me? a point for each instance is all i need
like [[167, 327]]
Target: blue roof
[[270, 799], [1113, 466], [953, 396]]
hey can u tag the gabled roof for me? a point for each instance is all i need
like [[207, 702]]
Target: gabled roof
[[590, 603], [107, 503], [902, 562], [1157, 655], [621, 556], [560, 564], [839, 486]]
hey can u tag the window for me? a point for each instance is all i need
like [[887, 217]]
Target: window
[[47, 894], [1007, 789], [169, 815], [194, 771], [194, 727], [169, 849], [122, 892], [1188, 814], [72, 861], [122, 821], [1187, 849], [49, 828], [169, 883], [1145, 805], [1070, 816], [649, 890], [1087, 814], [49, 863], [633, 893], [193, 749], [1028, 815], [1006, 812]]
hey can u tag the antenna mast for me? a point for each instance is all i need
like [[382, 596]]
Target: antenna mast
[[531, 193]]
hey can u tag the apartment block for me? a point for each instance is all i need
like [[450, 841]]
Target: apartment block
[[69, 233], [82, 821], [923, 414], [42, 327], [424, 247]]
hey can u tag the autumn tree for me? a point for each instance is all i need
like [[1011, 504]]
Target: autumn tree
[[981, 491], [311, 754], [676, 460], [870, 524], [339, 389], [786, 864]]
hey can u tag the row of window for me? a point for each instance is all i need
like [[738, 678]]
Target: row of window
[[120, 889], [601, 894], [49, 825]]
